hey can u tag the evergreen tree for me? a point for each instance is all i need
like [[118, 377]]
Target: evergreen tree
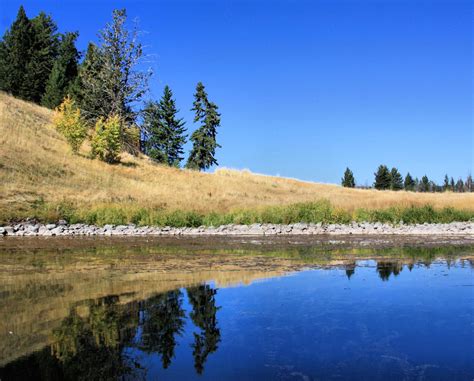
[[460, 186], [425, 184], [396, 180], [86, 88], [43, 53], [446, 182], [409, 183], [469, 185], [382, 178], [452, 184], [204, 138], [64, 72], [164, 131], [15, 50], [348, 180]]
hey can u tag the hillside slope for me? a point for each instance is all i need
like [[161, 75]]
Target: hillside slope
[[37, 167]]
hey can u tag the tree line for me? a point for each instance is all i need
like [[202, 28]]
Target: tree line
[[101, 95], [391, 179]]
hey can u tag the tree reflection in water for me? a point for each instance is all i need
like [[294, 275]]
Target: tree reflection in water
[[91, 343], [204, 316], [163, 320]]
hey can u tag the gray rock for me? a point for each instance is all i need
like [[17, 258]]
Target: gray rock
[[50, 226]]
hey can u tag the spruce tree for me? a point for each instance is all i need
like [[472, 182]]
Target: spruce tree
[[469, 184], [446, 182], [409, 183], [452, 184], [83, 89], [64, 72], [382, 178], [43, 53], [396, 180], [204, 141], [460, 186], [15, 51], [348, 180], [164, 131], [425, 184]]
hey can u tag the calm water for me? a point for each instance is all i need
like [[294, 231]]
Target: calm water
[[136, 315]]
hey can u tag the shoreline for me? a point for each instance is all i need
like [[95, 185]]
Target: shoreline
[[32, 229]]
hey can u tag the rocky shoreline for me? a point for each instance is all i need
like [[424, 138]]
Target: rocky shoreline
[[63, 229]]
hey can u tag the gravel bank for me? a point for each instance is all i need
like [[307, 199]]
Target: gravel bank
[[63, 229]]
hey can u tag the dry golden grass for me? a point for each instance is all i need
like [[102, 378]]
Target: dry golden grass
[[36, 162]]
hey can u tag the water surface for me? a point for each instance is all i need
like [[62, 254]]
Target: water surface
[[178, 310]]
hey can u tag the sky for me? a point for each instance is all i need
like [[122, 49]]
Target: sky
[[307, 88]]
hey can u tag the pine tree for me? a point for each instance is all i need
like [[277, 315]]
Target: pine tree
[[382, 178], [409, 183], [164, 131], [204, 138], [348, 180], [43, 53], [64, 72], [452, 184], [446, 182], [425, 184], [396, 180], [15, 50]]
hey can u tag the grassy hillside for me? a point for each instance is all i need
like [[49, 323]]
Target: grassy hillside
[[40, 177]]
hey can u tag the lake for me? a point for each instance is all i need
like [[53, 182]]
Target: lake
[[236, 309]]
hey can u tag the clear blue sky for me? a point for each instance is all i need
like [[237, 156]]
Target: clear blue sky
[[307, 88]]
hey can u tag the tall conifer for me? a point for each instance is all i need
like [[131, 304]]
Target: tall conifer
[[202, 155], [64, 72], [164, 131]]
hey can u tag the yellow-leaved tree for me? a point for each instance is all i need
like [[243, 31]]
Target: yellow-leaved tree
[[68, 121], [106, 142]]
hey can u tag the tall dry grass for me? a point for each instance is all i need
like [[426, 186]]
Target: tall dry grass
[[37, 165]]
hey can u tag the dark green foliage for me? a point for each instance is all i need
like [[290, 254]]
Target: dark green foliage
[[424, 185], [348, 180], [452, 185], [459, 186], [409, 183], [396, 180], [64, 72], [469, 184], [202, 298], [382, 178], [446, 183], [87, 96], [204, 141], [15, 53], [43, 53], [164, 131], [163, 320]]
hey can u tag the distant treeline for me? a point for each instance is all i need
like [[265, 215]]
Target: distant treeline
[[101, 95], [386, 179]]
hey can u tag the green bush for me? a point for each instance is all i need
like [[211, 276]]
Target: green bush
[[106, 142]]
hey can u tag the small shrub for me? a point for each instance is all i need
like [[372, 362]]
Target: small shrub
[[106, 142], [69, 123]]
